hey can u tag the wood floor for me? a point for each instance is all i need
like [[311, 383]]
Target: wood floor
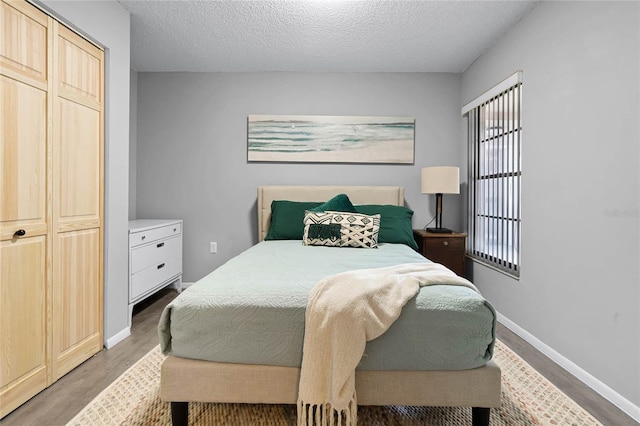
[[63, 400]]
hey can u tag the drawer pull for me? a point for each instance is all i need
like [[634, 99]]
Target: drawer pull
[[175, 229], [143, 237], [160, 266], [20, 233], [446, 243], [160, 245]]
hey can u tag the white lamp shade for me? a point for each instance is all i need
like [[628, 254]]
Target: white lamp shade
[[441, 180]]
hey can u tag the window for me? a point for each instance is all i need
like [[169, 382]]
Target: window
[[495, 137]]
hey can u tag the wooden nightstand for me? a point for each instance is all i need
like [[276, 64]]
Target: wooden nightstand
[[447, 249]]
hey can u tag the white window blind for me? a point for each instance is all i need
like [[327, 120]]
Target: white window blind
[[495, 138]]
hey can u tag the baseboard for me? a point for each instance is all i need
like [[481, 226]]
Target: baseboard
[[119, 337], [605, 391]]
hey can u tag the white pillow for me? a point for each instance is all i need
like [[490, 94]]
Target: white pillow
[[341, 229]]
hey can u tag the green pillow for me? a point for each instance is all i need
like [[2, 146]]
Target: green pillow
[[395, 223], [339, 203], [287, 219]]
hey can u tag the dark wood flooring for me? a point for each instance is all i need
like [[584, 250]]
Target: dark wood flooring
[[60, 402]]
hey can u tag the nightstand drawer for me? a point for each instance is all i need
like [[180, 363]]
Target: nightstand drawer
[[447, 249], [152, 254], [444, 243], [154, 276], [149, 235]]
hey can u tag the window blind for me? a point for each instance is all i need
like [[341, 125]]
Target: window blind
[[494, 175]]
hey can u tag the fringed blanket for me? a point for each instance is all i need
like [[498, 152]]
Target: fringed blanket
[[344, 312]]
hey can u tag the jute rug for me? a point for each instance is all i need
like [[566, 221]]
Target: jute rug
[[527, 399]]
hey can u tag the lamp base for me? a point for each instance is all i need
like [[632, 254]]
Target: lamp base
[[440, 230]]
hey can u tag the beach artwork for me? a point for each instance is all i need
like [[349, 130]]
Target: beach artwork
[[330, 139]]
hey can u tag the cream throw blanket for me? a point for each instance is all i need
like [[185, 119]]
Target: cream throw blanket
[[344, 312]]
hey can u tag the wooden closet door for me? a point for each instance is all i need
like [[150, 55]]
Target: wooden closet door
[[24, 219], [77, 201]]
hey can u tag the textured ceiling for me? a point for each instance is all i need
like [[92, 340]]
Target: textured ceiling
[[316, 36]]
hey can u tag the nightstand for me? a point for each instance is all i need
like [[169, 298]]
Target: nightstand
[[447, 249], [155, 258]]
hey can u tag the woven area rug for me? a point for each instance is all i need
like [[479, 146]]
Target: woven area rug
[[527, 399]]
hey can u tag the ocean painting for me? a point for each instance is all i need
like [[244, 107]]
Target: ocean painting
[[331, 139]]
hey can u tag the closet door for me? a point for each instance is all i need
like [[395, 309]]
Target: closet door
[[77, 200], [24, 218]]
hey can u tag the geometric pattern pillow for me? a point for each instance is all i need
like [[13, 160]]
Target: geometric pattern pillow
[[341, 229]]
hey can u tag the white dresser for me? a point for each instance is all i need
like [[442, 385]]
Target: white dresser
[[155, 257]]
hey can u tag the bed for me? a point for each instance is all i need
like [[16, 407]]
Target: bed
[[265, 369]]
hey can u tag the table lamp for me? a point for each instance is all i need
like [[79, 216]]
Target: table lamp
[[440, 180]]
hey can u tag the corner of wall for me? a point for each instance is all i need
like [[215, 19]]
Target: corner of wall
[[117, 338]]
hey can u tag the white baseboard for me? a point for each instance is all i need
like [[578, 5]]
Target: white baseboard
[[119, 337], [605, 391]]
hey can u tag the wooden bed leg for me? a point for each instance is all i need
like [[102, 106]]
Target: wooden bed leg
[[480, 416], [179, 413]]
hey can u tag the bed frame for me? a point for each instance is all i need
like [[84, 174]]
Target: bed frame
[[187, 380]]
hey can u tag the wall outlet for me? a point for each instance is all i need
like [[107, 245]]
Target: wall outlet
[[213, 247]]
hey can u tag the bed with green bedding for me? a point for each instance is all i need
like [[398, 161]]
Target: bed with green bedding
[[237, 334], [253, 309]]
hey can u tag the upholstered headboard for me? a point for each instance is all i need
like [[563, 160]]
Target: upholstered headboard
[[393, 195]]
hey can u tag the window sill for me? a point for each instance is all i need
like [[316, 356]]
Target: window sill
[[493, 267]]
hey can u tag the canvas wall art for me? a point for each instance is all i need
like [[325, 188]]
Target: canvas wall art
[[331, 139]]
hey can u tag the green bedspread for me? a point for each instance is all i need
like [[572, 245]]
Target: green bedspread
[[251, 311]]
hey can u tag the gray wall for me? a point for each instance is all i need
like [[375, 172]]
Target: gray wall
[[192, 147], [579, 288], [133, 145], [107, 23]]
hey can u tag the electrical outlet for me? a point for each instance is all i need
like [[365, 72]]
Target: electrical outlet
[[213, 247]]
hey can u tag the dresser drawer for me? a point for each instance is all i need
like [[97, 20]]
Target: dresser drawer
[[154, 276], [447, 249], [153, 254], [444, 243], [149, 235]]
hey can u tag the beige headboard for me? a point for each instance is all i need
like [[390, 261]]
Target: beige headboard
[[393, 195]]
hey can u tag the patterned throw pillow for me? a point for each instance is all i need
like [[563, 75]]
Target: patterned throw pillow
[[341, 229]]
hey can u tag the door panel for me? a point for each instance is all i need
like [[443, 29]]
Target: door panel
[[78, 154], [78, 206], [23, 45], [79, 69], [23, 366], [24, 161], [77, 316], [23, 156]]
